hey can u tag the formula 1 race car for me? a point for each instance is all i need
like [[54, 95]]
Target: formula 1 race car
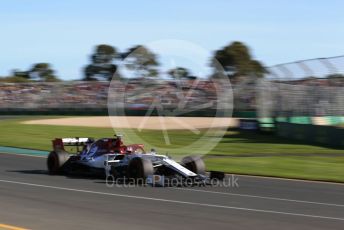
[[110, 157]]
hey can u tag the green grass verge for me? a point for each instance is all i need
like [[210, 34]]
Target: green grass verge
[[240, 152], [321, 168]]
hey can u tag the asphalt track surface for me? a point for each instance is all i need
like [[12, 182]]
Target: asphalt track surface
[[29, 198]]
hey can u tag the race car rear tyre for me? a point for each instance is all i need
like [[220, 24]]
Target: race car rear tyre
[[56, 161], [139, 169], [194, 164]]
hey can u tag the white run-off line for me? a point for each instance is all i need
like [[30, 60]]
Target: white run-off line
[[261, 197], [237, 194], [171, 201]]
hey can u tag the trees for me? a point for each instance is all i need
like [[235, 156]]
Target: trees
[[237, 61], [138, 59], [101, 67], [42, 72], [38, 72], [142, 61], [25, 75], [258, 69], [179, 72], [336, 79], [335, 76], [14, 79], [104, 54]]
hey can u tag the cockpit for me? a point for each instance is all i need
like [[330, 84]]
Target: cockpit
[[106, 145]]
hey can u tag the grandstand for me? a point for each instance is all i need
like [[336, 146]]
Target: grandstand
[[80, 96], [309, 88], [304, 100]]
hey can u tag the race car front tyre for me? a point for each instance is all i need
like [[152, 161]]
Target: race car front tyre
[[56, 161], [194, 164], [139, 169]]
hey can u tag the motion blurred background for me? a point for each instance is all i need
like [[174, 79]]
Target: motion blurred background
[[282, 60]]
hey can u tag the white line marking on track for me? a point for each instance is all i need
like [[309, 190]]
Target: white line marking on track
[[290, 179], [174, 201], [25, 155], [241, 175], [261, 197]]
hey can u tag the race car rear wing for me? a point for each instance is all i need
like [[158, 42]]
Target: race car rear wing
[[60, 143]]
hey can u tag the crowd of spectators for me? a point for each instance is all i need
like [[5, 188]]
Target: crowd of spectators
[[140, 94], [170, 94], [52, 95]]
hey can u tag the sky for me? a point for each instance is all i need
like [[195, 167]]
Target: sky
[[65, 32]]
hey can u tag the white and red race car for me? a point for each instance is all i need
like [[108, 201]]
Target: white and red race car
[[110, 157]]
